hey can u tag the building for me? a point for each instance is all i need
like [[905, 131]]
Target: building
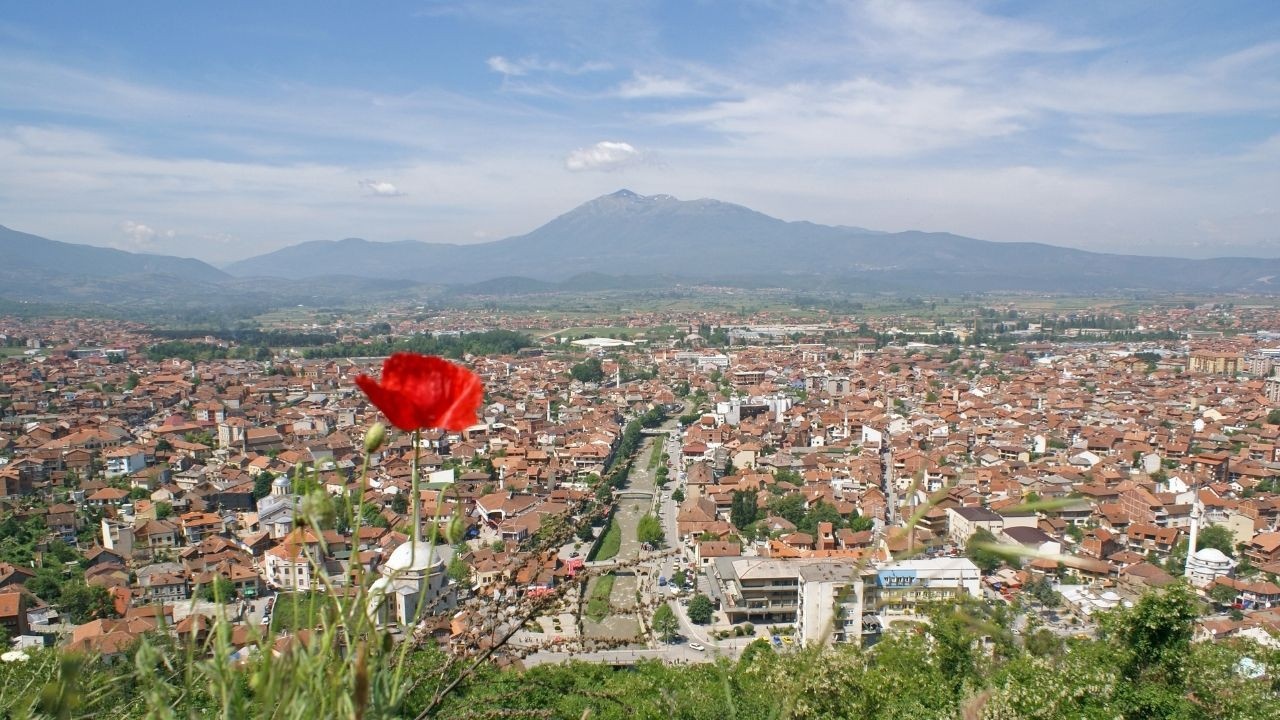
[[900, 587], [830, 603], [823, 597], [963, 522], [1208, 564], [413, 579], [1208, 362], [125, 460]]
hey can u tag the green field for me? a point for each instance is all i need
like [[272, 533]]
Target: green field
[[655, 457], [611, 543], [598, 602], [294, 611]]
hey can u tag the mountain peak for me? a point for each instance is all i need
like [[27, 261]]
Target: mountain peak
[[625, 194]]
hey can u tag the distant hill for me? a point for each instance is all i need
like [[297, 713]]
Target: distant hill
[[21, 251], [658, 236], [38, 270], [620, 241]]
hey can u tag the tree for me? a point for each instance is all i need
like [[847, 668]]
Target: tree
[[262, 485], [700, 609], [665, 622], [399, 503], [219, 590], [82, 603], [459, 570], [820, 512], [790, 507], [677, 495], [1216, 536], [1222, 594], [1273, 417], [649, 530], [860, 523], [979, 550], [163, 510], [742, 508], [679, 577], [589, 370]]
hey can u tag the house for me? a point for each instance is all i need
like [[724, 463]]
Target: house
[[963, 522], [1264, 548], [124, 460], [163, 587], [13, 613], [14, 576]]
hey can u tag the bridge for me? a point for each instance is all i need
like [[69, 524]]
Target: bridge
[[633, 494], [654, 431]]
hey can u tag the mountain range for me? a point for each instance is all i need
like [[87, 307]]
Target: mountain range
[[625, 240]]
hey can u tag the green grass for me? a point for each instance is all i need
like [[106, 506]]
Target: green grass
[[598, 601], [655, 457], [611, 543], [295, 611]]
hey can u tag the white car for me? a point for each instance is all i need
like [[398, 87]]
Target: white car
[[697, 646]]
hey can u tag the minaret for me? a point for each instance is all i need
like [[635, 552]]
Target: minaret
[[1196, 512]]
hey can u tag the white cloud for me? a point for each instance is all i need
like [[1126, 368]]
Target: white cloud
[[380, 188], [140, 237], [503, 66], [524, 66], [604, 155], [859, 118], [655, 86]]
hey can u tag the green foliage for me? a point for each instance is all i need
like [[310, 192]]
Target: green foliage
[[459, 571], [598, 599], [589, 370], [1222, 594], [1143, 666], [665, 623], [649, 530], [677, 495], [978, 549], [1216, 536], [82, 603], [1273, 417], [700, 609], [220, 590], [742, 509], [610, 543], [262, 485], [19, 537]]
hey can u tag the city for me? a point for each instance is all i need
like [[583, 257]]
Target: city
[[761, 480], [645, 360]]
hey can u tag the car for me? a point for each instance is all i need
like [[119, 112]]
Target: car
[[777, 641], [787, 640], [674, 590], [574, 554], [662, 580], [697, 646]]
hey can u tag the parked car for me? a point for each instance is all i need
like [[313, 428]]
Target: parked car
[[662, 580], [777, 641]]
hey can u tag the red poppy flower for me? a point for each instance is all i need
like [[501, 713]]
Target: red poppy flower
[[418, 392]]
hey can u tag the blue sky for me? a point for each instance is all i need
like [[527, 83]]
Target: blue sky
[[223, 130]]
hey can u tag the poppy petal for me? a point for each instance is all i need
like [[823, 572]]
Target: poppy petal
[[420, 391]]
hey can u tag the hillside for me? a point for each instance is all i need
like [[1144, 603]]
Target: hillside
[[707, 240]]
